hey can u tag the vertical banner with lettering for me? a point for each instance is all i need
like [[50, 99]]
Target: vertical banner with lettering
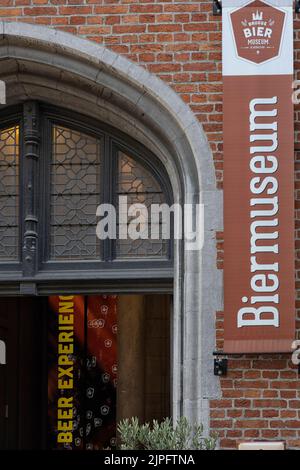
[[258, 176], [82, 372]]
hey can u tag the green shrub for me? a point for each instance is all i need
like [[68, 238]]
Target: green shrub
[[164, 436]]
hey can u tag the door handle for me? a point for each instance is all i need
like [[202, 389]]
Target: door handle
[[2, 352]]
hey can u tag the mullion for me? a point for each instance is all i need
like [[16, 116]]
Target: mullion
[[107, 191], [31, 153]]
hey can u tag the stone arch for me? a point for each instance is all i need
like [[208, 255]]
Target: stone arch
[[57, 67]]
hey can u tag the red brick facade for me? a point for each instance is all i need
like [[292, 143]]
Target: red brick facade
[[180, 41]]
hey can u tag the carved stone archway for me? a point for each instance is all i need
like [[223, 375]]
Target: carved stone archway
[[61, 69]]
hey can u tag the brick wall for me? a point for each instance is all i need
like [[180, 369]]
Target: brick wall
[[180, 41]]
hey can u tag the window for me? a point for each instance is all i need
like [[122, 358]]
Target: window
[[74, 195], [140, 187], [9, 193], [55, 170]]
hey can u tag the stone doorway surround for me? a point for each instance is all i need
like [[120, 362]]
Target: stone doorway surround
[[58, 68]]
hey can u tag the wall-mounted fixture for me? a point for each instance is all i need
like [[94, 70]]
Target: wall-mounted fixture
[[220, 366], [217, 7]]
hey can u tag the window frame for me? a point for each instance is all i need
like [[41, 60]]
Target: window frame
[[112, 141], [14, 118]]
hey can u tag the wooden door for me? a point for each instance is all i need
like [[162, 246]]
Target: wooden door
[[32, 373], [8, 372], [22, 383]]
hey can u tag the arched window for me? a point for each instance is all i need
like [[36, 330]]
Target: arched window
[[56, 168]]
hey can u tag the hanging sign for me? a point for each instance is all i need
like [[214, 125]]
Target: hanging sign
[[258, 176]]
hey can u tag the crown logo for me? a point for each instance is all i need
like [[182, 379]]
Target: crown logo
[[258, 16]]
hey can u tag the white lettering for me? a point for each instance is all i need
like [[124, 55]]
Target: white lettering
[[263, 235]]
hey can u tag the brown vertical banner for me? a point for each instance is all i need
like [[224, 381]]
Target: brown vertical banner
[[258, 176]]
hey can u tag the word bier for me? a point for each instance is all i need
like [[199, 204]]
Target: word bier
[[65, 369], [263, 234], [258, 31]]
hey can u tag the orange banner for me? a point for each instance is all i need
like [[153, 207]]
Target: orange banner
[[258, 179]]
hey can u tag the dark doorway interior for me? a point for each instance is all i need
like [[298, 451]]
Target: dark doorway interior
[[143, 372]]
